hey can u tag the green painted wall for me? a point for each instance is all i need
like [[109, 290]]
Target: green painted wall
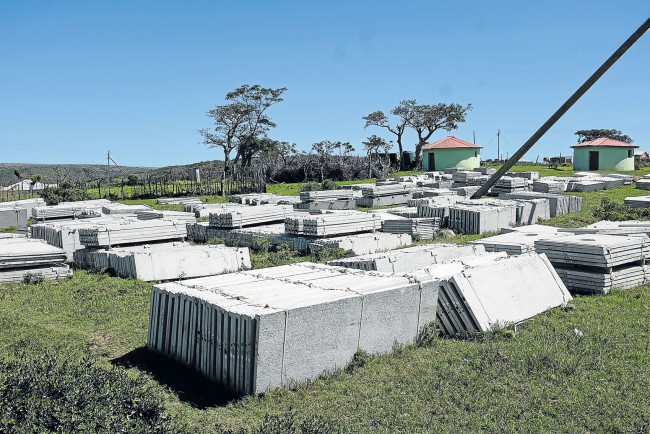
[[609, 158], [446, 158]]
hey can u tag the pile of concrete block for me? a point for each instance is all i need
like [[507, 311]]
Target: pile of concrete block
[[549, 186], [249, 216], [479, 218], [516, 242], [466, 191], [274, 234], [171, 261], [28, 204], [125, 232], [333, 224], [263, 199], [189, 200], [560, 204], [22, 257], [70, 210], [588, 184], [383, 195], [14, 217], [363, 244], [530, 175], [497, 293], [424, 227], [254, 330], [507, 184], [327, 195], [204, 209], [411, 258], [643, 184], [637, 201], [202, 232], [335, 204], [596, 263], [178, 216], [121, 209]]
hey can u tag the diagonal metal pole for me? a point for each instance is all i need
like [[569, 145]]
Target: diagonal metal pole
[[563, 109]]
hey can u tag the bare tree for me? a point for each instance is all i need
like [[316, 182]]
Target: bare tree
[[377, 146], [403, 111]]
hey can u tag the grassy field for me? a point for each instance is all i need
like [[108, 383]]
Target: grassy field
[[543, 378]]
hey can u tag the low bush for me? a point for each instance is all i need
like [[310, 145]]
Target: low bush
[[44, 393], [613, 211]]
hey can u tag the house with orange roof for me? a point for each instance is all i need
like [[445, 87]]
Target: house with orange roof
[[603, 154], [450, 152]]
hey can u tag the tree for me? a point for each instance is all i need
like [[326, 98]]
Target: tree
[[242, 123], [403, 111], [324, 151], [427, 119], [589, 135], [37, 177], [375, 145]]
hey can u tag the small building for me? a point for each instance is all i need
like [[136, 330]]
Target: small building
[[641, 156], [603, 154], [450, 152]]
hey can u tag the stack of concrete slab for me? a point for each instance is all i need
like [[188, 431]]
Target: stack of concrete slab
[[596, 263], [516, 243], [171, 261], [254, 330], [179, 216], [68, 210], [549, 186], [120, 209], [560, 204], [466, 191], [643, 184], [189, 200], [13, 217], [403, 211], [480, 218], [263, 199], [312, 196], [249, 216], [28, 204], [274, 233], [125, 232], [204, 209], [637, 201], [464, 177], [584, 185], [530, 176], [485, 170], [496, 293], [424, 227], [363, 244], [336, 204], [507, 184], [437, 207], [334, 224], [21, 257], [411, 258], [383, 195], [202, 232]]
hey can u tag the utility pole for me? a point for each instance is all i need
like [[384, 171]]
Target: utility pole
[[498, 145], [108, 173], [474, 135]]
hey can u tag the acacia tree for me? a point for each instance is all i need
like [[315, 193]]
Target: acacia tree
[[375, 145], [324, 151], [242, 124], [427, 119], [589, 135], [403, 111]]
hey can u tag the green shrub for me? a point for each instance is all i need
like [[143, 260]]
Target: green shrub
[[42, 393], [66, 192], [261, 244], [290, 423], [33, 278], [216, 240], [311, 186], [359, 360], [613, 211], [328, 184]]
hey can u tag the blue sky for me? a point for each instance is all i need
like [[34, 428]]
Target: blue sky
[[78, 78]]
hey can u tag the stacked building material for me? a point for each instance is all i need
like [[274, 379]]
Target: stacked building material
[[13, 217], [583, 185], [202, 232], [171, 261], [424, 227], [498, 293], [507, 184], [411, 258], [124, 232], [273, 233], [249, 216], [549, 186], [481, 218], [336, 204], [331, 225], [204, 209], [531, 176], [189, 200], [643, 184], [515, 243], [485, 170], [311, 196], [463, 177], [465, 191], [263, 199], [23, 257], [68, 210], [596, 263], [28, 204], [438, 207], [637, 201], [560, 204], [119, 209], [403, 211], [179, 216], [382, 195], [363, 244], [254, 330]]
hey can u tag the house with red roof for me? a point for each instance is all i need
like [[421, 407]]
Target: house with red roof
[[603, 154], [450, 152]]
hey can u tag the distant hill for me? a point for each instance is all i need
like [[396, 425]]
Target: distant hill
[[209, 170], [59, 172]]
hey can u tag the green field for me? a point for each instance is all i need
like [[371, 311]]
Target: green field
[[586, 369]]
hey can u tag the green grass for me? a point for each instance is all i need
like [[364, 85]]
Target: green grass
[[542, 379], [9, 230]]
